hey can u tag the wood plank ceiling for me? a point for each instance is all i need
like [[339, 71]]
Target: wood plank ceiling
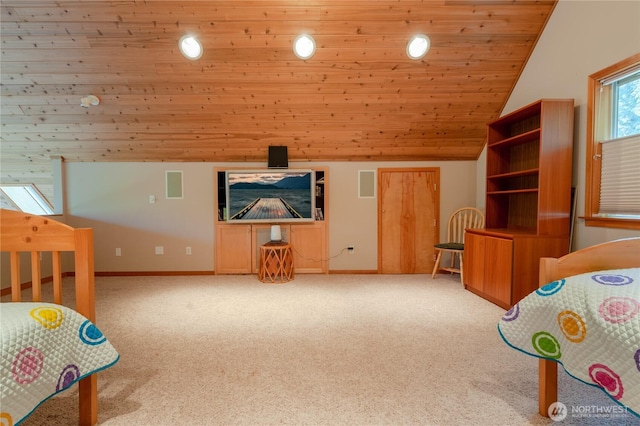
[[358, 98]]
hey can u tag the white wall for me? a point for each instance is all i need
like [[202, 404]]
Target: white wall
[[581, 38], [113, 199]]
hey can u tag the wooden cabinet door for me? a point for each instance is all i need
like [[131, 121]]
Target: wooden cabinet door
[[474, 257], [407, 218], [233, 249], [309, 248], [498, 268]]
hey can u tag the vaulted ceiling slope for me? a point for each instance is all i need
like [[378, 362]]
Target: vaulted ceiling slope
[[358, 98]]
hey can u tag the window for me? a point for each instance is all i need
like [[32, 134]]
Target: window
[[613, 146], [25, 198]]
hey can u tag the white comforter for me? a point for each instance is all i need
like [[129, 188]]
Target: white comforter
[[45, 348], [590, 324]]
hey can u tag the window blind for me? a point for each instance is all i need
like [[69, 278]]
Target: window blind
[[620, 179], [620, 74]]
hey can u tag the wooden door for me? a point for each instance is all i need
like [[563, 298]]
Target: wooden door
[[408, 207]]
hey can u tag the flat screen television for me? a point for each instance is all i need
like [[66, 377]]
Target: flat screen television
[[270, 195]]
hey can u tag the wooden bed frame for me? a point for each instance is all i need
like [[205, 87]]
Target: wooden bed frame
[[20, 232], [611, 255]]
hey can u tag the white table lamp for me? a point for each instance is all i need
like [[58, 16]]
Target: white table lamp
[[276, 233]]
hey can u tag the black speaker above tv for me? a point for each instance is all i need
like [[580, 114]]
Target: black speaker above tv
[[278, 158]]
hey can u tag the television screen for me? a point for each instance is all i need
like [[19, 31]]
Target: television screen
[[270, 196]]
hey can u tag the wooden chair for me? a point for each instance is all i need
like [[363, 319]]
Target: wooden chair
[[461, 219]]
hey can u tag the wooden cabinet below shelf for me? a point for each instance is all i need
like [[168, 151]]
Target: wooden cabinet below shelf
[[309, 248], [233, 249], [487, 267], [238, 247], [503, 267]]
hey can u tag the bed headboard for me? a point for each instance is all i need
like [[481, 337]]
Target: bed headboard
[[22, 232], [616, 254]]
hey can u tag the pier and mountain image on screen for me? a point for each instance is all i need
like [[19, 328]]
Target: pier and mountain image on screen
[[270, 196]]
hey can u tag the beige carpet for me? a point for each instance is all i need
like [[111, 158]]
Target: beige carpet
[[320, 350]]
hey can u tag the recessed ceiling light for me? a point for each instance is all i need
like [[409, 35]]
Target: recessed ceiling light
[[304, 46], [418, 46], [190, 47]]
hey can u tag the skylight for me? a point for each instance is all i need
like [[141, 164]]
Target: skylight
[[25, 198]]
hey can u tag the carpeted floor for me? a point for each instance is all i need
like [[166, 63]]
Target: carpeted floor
[[320, 350]]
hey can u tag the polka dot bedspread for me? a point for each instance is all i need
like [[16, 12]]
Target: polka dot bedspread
[[45, 348], [590, 324]]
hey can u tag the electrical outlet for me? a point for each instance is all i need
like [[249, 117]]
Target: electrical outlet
[[118, 251], [351, 249], [188, 251], [159, 250]]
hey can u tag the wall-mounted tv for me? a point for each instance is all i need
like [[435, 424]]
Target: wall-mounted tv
[[270, 196]]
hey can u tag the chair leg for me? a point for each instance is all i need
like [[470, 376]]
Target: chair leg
[[461, 270], [437, 265]]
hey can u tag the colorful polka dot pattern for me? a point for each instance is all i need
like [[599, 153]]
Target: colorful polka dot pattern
[[546, 345], [619, 309], [607, 379], [46, 348], [612, 279], [90, 334], [568, 321], [69, 375], [572, 326], [50, 318], [512, 314], [27, 365], [551, 288]]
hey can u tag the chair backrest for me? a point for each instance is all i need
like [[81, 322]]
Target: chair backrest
[[461, 219]]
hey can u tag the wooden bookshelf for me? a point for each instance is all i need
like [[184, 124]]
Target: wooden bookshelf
[[528, 201]]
